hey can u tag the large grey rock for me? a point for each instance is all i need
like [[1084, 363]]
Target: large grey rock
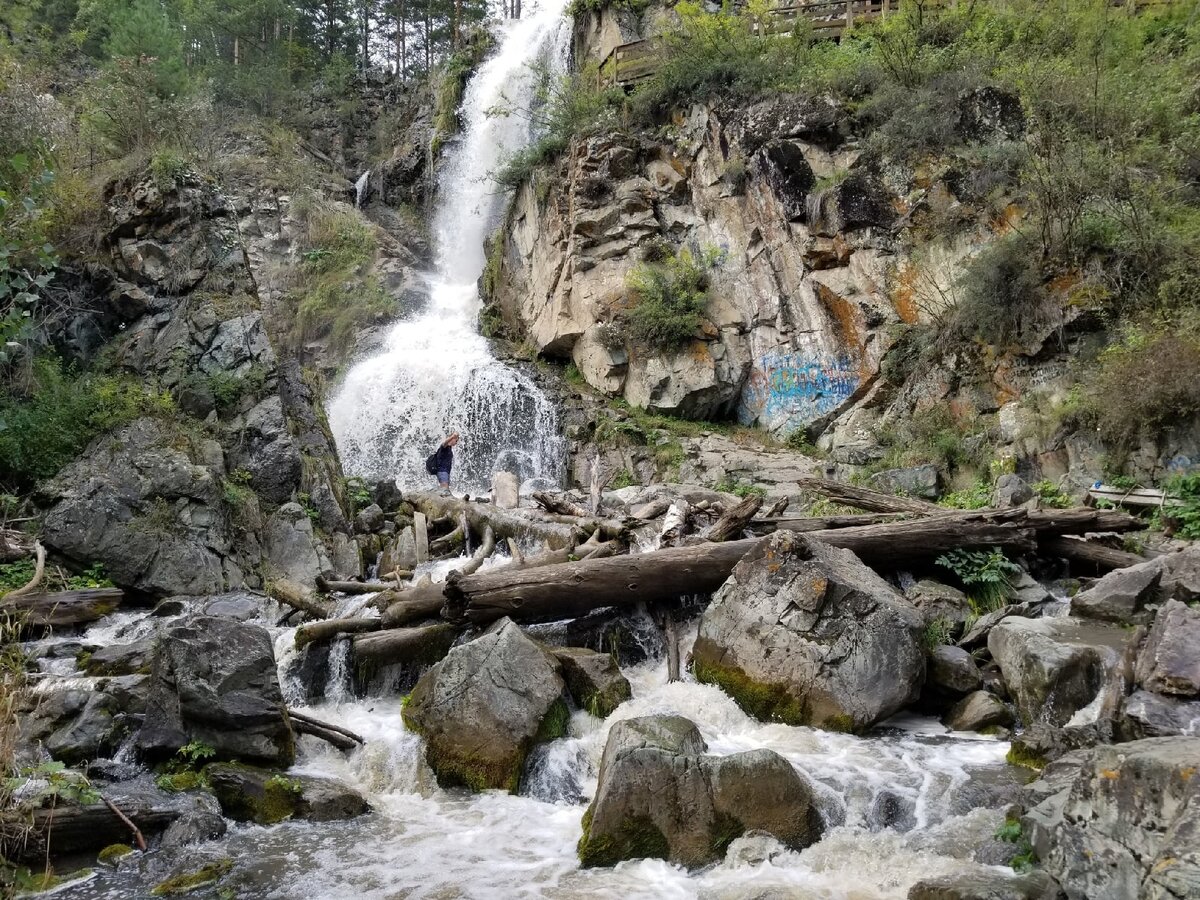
[[291, 548], [1125, 824], [986, 885], [593, 679], [805, 633], [214, 682], [951, 673], [700, 381], [79, 719], [1144, 715], [1011, 490], [1169, 662], [935, 600], [600, 356], [485, 705], [121, 659], [250, 794], [266, 450], [978, 711], [1121, 595], [657, 796], [918, 481], [369, 519], [1055, 667]]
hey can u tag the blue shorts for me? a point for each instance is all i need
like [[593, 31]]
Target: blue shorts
[[443, 477]]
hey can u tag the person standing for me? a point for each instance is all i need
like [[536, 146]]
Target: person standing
[[444, 460]]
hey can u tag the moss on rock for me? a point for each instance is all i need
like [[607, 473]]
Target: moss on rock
[[554, 724], [637, 838], [1020, 755], [249, 794], [766, 702], [113, 853], [188, 882]]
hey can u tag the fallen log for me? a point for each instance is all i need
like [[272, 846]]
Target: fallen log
[[865, 498], [734, 521], [323, 732], [328, 629], [560, 504], [416, 646], [823, 523], [361, 587], [448, 544], [62, 609], [485, 550], [68, 829], [505, 523], [1075, 549], [297, 597], [345, 732], [422, 601], [652, 510], [573, 589], [779, 506]]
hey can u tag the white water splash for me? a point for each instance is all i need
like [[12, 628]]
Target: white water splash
[[435, 373], [360, 187]]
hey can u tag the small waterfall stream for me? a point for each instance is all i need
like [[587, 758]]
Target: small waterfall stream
[[435, 373]]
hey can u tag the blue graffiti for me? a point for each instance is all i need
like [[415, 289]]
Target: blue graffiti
[[796, 388]]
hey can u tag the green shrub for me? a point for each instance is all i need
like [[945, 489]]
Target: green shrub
[[671, 298], [1183, 520], [1003, 301], [47, 421], [986, 574], [731, 485], [977, 496]]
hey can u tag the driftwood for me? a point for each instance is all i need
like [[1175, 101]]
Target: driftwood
[[573, 589], [68, 829], [416, 646], [649, 511], [448, 544], [14, 545], [504, 523], [330, 734], [361, 587], [62, 608], [780, 505], [297, 597], [422, 601], [514, 551], [421, 535], [560, 504], [865, 498], [1079, 550], [485, 550], [824, 523], [39, 570], [328, 629], [138, 837], [734, 521]]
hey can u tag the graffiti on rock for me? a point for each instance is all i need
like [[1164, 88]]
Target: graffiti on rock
[[788, 390]]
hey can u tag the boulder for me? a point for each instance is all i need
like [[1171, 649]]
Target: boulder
[[1011, 490], [988, 884], [1055, 667], [601, 358], [369, 519], [978, 711], [250, 794], [1169, 663], [1122, 821], [951, 673], [918, 481], [806, 634], [700, 381], [291, 548], [593, 679], [79, 719], [506, 490], [1144, 715], [121, 659], [485, 705], [658, 796], [935, 600], [1121, 595], [214, 682]]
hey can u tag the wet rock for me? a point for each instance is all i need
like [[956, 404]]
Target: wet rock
[[918, 481], [386, 494], [890, 810], [1055, 667], [249, 794], [482, 707], [986, 885], [369, 519], [593, 679], [1121, 595], [194, 827], [978, 711], [1122, 821], [657, 796], [121, 659], [506, 490], [1011, 490], [951, 673], [935, 600], [791, 178], [80, 719], [292, 550], [242, 607], [1144, 715], [977, 635], [1169, 662], [807, 634], [214, 681]]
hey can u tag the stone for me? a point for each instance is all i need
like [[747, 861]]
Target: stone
[[194, 827], [601, 358], [250, 794], [951, 672], [80, 720], [918, 481], [858, 201], [214, 682], [267, 451], [658, 796], [806, 634], [1055, 667], [1122, 821], [121, 659], [935, 601], [978, 711], [242, 607], [699, 381], [1144, 715], [291, 548], [386, 494], [593, 679], [369, 519], [1169, 662], [506, 490], [484, 706], [1011, 490], [1121, 595], [989, 884], [785, 169]]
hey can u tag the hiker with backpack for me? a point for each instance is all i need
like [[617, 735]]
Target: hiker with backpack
[[440, 461]]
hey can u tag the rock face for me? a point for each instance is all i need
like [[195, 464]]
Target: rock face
[[918, 481], [658, 796], [1055, 667], [82, 719], [807, 634], [482, 707], [990, 885], [1170, 660], [214, 681], [291, 548], [593, 679], [249, 794], [1122, 821]]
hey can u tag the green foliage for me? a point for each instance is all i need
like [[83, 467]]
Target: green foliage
[[1002, 300], [1183, 520], [986, 574], [934, 436], [730, 484], [167, 168], [671, 298], [1010, 832], [47, 421], [977, 496], [623, 479], [1049, 494], [141, 35], [358, 493], [54, 784], [310, 510], [799, 441], [938, 633]]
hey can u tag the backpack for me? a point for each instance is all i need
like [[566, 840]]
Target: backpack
[[431, 463]]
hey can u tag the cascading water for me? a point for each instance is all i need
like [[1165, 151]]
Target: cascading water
[[435, 373]]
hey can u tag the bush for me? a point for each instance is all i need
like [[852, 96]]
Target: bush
[[671, 298], [1002, 300], [49, 420]]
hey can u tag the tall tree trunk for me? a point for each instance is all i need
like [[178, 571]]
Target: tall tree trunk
[[457, 24]]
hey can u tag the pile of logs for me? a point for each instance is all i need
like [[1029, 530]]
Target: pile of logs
[[585, 564]]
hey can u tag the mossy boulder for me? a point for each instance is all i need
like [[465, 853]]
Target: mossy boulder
[[484, 706], [113, 854], [593, 679], [250, 794], [187, 882], [659, 796], [806, 634]]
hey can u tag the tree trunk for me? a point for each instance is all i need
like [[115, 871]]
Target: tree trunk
[[70, 829], [416, 646], [298, 598], [360, 587], [733, 523], [62, 608], [865, 498], [823, 523], [328, 629], [1079, 550]]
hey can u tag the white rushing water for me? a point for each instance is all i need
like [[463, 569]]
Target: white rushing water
[[435, 373]]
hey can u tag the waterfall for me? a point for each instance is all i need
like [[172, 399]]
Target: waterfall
[[435, 373], [360, 187]]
